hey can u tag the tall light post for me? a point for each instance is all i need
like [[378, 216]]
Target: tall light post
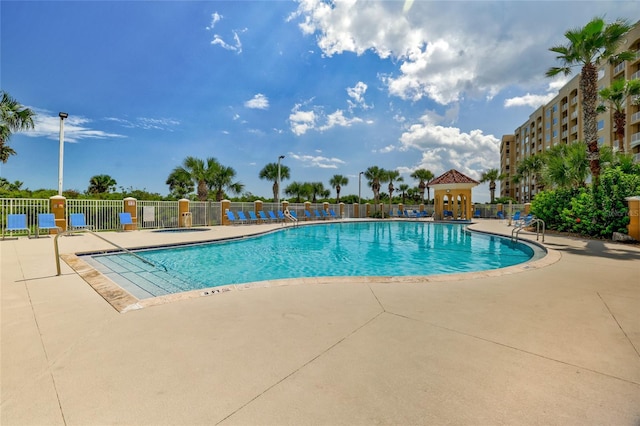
[[278, 192], [62, 116], [359, 191]]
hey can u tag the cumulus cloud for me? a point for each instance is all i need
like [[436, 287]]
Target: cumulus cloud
[[259, 101], [317, 161], [356, 94], [338, 119], [444, 148], [444, 51], [302, 121], [535, 101], [215, 18]]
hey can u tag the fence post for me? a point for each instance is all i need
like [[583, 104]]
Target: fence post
[[131, 206], [183, 212], [341, 210], [224, 206], [58, 206], [356, 210]]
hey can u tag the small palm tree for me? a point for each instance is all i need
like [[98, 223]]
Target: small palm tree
[[317, 188], [100, 184], [391, 176], [270, 173], [298, 190], [180, 183], [616, 97], [425, 176], [588, 47], [221, 179], [403, 188], [566, 166], [337, 182], [200, 172], [374, 176], [491, 176], [14, 117]]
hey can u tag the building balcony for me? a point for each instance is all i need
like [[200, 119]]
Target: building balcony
[[574, 129], [635, 117], [565, 120], [565, 107], [574, 115], [635, 75], [574, 100], [565, 134], [620, 67], [635, 140], [636, 158]]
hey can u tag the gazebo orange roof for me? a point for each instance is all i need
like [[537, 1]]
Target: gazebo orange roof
[[452, 176]]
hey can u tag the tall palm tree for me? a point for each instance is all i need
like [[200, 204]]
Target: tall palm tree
[[200, 172], [588, 47], [221, 179], [616, 97], [180, 183], [298, 189], [337, 182], [391, 176], [99, 184], [530, 169], [425, 176], [374, 176], [317, 188], [14, 117], [270, 173], [403, 188], [491, 176]]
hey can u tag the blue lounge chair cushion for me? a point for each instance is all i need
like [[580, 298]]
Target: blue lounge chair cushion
[[16, 222], [78, 221]]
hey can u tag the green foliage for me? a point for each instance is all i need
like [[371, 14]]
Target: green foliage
[[589, 211]]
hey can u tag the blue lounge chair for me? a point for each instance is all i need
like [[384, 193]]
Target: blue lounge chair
[[253, 217], [281, 215], [242, 218], [324, 214], [46, 222], [317, 214], [516, 217], [232, 217], [125, 219], [16, 223], [263, 216], [294, 214], [500, 215], [307, 213], [477, 213], [333, 214], [272, 216], [78, 221]]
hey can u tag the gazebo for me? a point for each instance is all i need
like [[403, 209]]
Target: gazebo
[[452, 192]]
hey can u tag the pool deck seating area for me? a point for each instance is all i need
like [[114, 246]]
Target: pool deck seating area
[[555, 343]]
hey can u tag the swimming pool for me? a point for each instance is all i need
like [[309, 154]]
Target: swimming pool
[[376, 248]]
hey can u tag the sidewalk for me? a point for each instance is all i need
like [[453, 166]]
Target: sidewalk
[[552, 345]]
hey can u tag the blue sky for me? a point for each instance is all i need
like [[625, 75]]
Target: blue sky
[[336, 87]]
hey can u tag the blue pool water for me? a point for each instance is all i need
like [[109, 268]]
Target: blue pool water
[[393, 248]]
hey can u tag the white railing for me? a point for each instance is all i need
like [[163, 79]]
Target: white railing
[[635, 117], [157, 214], [29, 206], [620, 67], [102, 215]]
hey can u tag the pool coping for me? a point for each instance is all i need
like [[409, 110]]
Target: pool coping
[[123, 301]]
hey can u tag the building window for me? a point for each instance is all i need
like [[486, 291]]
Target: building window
[[601, 140], [555, 134], [555, 121], [600, 125]]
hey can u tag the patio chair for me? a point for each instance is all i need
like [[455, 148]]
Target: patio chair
[[78, 221], [281, 215], [242, 218], [333, 214], [293, 214], [125, 219], [476, 214], [307, 214], [232, 217], [16, 223], [47, 221], [263, 216], [317, 214], [253, 217], [500, 215], [272, 216], [516, 217]]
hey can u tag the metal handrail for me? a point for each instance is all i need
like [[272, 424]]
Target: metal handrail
[[73, 231], [536, 221]]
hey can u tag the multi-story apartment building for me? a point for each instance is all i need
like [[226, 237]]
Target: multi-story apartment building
[[560, 122]]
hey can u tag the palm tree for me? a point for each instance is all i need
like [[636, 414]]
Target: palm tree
[[221, 179], [317, 188], [491, 176], [616, 96], [391, 176], [403, 188], [588, 47], [425, 176], [14, 117], [180, 183], [566, 166], [99, 184], [270, 173], [200, 173], [374, 176], [530, 169], [298, 189], [337, 182]]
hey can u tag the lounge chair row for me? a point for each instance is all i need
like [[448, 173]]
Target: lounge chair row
[[278, 216], [47, 221]]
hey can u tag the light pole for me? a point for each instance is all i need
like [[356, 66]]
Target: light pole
[[278, 191], [359, 191], [62, 116]]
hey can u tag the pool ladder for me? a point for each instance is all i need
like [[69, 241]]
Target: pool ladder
[[74, 231], [515, 231]]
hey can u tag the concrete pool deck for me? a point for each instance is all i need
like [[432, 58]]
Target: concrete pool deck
[[557, 344]]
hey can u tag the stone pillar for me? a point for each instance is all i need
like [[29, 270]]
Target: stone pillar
[[58, 206], [400, 208], [356, 210], [367, 210], [131, 207], [184, 215], [527, 208], [633, 228], [224, 206], [325, 207], [285, 205], [341, 210], [257, 208], [307, 207]]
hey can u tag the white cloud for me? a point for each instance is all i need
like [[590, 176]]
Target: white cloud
[[338, 119], [215, 18], [75, 128], [317, 161], [535, 101], [301, 121], [146, 123], [259, 101], [357, 94], [235, 47], [444, 148]]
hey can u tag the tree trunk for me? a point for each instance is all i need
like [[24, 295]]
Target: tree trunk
[[589, 88], [620, 120]]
